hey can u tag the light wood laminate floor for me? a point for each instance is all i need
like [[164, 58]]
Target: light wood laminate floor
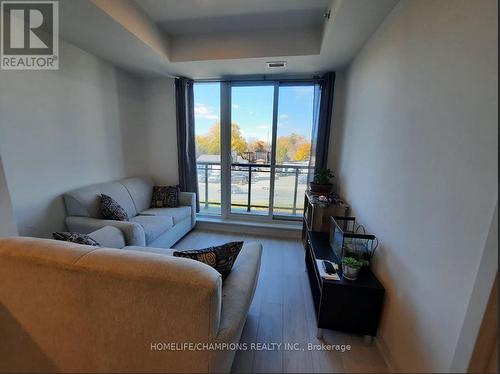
[[282, 311]]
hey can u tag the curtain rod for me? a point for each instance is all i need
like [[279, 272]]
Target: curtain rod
[[260, 79]]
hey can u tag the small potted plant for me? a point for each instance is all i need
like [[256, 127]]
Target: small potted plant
[[351, 267], [321, 183]]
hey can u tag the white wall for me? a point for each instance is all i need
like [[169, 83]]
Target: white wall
[[487, 270], [7, 221], [64, 129], [160, 130], [414, 145]]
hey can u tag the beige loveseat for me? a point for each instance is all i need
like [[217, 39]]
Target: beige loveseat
[[71, 308]]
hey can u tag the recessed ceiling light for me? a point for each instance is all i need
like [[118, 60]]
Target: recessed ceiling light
[[276, 65]]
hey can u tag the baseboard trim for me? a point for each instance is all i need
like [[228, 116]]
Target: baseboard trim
[[386, 355], [277, 230]]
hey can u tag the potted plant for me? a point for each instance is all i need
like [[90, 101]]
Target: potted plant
[[351, 267], [321, 183]]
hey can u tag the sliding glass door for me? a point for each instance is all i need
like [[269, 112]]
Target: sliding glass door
[[293, 148], [251, 147], [253, 144], [208, 150]]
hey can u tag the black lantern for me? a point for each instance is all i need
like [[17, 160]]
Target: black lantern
[[348, 239]]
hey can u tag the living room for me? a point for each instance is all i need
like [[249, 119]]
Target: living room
[[181, 184]]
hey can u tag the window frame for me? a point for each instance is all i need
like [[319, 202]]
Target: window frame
[[225, 142]]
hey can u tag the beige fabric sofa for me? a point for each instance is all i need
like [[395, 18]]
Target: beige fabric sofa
[[71, 308], [160, 227]]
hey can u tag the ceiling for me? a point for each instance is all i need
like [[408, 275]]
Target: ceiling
[[165, 10], [222, 38], [189, 17]]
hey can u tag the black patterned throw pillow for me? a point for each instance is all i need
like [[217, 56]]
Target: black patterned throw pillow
[[110, 209], [75, 237], [221, 257], [165, 196]]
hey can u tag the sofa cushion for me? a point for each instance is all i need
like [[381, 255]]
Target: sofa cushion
[[86, 201], [140, 190], [153, 226], [110, 209], [75, 237], [165, 196], [178, 214], [161, 251], [221, 257]]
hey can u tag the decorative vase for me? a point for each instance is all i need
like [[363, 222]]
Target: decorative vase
[[349, 272], [320, 188]]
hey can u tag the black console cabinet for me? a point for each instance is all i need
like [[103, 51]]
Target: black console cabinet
[[343, 305]]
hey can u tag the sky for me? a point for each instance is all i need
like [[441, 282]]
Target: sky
[[252, 109]]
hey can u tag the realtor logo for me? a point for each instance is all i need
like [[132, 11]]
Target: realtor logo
[[29, 35]]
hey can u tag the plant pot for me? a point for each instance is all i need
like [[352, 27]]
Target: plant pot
[[320, 188], [350, 272]]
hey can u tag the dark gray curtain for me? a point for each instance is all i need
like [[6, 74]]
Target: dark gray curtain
[[323, 111], [186, 149]]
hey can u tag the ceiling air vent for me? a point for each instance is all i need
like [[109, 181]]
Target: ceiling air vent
[[276, 65]]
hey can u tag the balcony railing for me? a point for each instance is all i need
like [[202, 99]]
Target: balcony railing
[[254, 180]]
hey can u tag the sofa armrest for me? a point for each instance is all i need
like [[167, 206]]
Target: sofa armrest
[[189, 199], [238, 290], [109, 237], [133, 232]]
